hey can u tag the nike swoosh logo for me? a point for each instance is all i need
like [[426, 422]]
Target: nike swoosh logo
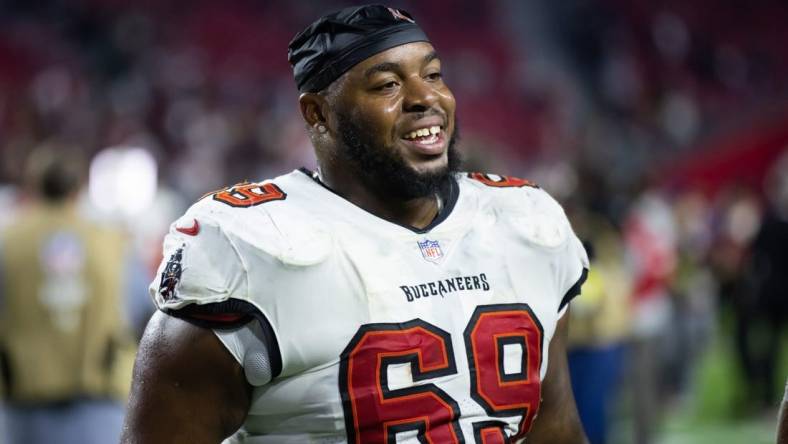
[[191, 231]]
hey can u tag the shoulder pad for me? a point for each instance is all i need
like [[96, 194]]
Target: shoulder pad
[[532, 211], [264, 217], [544, 222]]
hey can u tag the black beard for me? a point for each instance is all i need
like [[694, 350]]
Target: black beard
[[384, 171]]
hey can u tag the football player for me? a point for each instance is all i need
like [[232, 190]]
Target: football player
[[384, 298]]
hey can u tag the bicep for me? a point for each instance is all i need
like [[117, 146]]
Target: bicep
[[186, 387], [557, 420]]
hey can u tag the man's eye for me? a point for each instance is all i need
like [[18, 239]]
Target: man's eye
[[387, 86], [435, 76]]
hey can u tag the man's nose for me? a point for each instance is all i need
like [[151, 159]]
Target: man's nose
[[419, 96]]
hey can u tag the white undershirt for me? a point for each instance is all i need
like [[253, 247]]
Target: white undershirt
[[247, 346]]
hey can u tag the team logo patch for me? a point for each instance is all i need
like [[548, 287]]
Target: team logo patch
[[171, 276], [431, 250], [400, 15]]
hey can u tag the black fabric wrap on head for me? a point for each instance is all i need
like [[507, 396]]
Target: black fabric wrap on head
[[338, 41]]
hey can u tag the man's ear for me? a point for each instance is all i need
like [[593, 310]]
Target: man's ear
[[313, 106]]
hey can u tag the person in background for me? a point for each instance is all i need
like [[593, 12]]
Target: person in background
[[650, 245], [66, 350], [599, 326], [769, 306]]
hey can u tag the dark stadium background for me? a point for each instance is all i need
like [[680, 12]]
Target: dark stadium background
[[662, 126]]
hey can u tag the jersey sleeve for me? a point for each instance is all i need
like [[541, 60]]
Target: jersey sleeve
[[198, 267], [549, 226], [203, 279], [573, 271]]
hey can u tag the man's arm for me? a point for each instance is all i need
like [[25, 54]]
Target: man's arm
[[187, 388], [782, 419], [557, 421]]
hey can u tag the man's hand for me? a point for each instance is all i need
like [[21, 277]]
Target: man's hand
[[187, 388], [557, 421]]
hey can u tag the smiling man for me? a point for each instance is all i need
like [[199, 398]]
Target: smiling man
[[385, 298]]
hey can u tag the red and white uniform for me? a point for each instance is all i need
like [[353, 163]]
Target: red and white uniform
[[385, 333]]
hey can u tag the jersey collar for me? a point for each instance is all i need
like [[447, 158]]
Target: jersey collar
[[450, 194]]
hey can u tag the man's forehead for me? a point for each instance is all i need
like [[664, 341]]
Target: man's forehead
[[411, 54]]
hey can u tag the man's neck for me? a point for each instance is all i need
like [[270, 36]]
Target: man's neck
[[417, 213]]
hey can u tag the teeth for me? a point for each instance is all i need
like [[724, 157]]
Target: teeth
[[423, 132]]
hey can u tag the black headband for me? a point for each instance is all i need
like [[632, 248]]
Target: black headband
[[338, 41]]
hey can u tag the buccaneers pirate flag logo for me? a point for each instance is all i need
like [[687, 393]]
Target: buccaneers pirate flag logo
[[171, 275]]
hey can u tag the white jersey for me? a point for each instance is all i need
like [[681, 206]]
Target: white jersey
[[384, 333]]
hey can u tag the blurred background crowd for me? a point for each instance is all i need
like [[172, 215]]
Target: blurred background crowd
[[662, 126]]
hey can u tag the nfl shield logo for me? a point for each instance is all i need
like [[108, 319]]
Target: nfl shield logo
[[431, 250]]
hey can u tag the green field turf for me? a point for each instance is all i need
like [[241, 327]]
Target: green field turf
[[716, 413]]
